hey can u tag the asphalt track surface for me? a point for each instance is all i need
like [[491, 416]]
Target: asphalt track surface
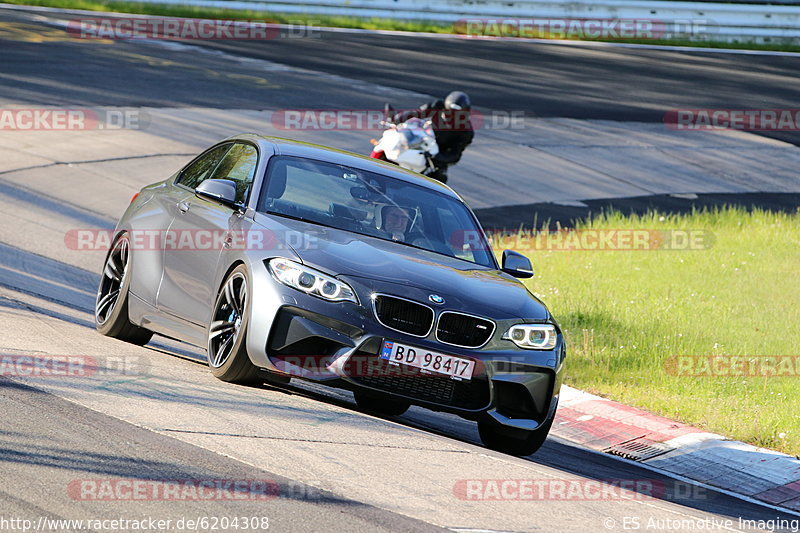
[[43, 65], [55, 433], [543, 80]]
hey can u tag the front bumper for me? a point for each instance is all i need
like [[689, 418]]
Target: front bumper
[[339, 343]]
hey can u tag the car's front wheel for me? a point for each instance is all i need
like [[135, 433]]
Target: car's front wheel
[[513, 441], [380, 404], [227, 353], [111, 306]]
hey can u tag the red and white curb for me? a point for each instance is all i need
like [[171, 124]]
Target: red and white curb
[[672, 447]]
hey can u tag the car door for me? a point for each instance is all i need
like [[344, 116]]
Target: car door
[[156, 216], [196, 234]]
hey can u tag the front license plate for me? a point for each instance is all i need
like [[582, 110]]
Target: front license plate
[[450, 365]]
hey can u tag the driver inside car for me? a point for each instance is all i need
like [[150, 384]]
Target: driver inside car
[[395, 221]]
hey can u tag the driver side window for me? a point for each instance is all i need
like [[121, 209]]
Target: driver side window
[[201, 169], [239, 166]]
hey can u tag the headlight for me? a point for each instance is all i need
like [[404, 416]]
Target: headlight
[[311, 281], [533, 336]]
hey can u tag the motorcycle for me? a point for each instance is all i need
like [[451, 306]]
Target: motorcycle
[[410, 144]]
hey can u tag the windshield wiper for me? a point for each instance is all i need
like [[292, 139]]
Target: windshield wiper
[[438, 253]]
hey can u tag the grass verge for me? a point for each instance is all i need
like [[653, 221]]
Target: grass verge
[[625, 313], [172, 10]]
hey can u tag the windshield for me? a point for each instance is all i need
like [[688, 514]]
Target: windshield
[[373, 204], [414, 132]]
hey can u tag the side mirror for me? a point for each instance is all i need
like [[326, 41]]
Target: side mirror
[[517, 264], [222, 191]]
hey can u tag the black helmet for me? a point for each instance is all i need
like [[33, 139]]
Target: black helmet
[[457, 100]]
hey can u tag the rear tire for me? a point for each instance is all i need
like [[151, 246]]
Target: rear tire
[[227, 332], [111, 305], [380, 404], [513, 441]]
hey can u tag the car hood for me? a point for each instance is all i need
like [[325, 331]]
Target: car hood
[[382, 265]]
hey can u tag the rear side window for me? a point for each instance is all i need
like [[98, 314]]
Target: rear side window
[[201, 168]]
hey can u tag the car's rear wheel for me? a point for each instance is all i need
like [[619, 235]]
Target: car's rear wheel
[[380, 404], [227, 353], [513, 441], [111, 306]]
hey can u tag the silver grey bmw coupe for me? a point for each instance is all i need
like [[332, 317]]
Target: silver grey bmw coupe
[[284, 259]]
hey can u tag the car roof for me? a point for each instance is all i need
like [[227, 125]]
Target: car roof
[[290, 147]]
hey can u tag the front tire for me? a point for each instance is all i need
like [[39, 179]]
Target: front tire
[[227, 333], [513, 441], [111, 305]]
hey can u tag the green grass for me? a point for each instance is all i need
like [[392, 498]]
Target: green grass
[[169, 10], [626, 312]]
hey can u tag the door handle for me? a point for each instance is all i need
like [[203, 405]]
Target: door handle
[[183, 206]]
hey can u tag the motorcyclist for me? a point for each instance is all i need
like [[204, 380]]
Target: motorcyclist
[[450, 119]]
